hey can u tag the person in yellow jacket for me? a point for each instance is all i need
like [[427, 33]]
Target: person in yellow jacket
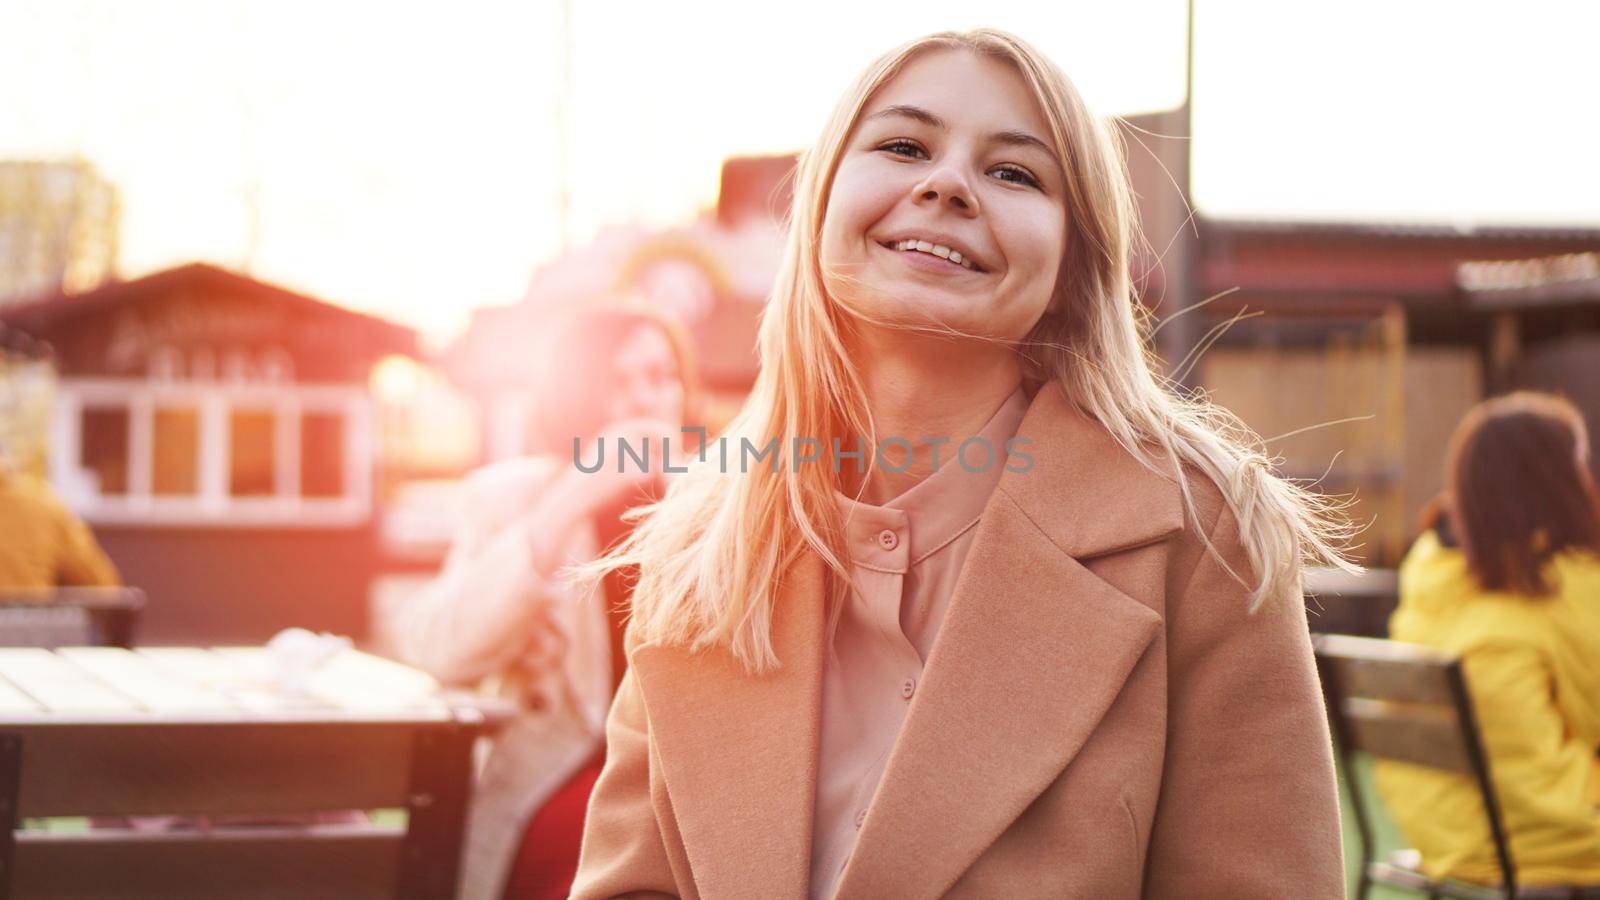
[[42, 544], [1507, 575]]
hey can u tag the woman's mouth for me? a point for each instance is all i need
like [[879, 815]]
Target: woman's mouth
[[931, 257]]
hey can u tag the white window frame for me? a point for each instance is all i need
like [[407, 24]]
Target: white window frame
[[213, 505]]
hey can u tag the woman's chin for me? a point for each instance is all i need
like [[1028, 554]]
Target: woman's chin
[[927, 310]]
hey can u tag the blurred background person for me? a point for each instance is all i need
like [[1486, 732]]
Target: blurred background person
[[499, 616], [42, 543], [1507, 574]]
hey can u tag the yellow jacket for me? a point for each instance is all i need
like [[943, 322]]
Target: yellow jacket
[[1533, 669], [42, 544]]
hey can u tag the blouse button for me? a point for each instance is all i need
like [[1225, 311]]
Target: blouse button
[[861, 817], [888, 540], [908, 687]]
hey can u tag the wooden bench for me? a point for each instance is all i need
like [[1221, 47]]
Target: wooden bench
[[206, 732], [66, 617]]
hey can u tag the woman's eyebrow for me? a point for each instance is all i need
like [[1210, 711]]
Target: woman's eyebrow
[[1011, 138]]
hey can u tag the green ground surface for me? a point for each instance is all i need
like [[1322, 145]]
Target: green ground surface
[[1384, 836]]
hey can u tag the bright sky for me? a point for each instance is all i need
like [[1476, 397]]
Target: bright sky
[[403, 159]]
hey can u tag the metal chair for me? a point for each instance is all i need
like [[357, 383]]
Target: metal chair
[[1410, 703]]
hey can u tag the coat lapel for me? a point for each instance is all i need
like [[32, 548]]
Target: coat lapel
[[739, 754], [1031, 654], [1033, 650]]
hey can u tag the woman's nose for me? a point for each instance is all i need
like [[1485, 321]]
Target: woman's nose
[[945, 185]]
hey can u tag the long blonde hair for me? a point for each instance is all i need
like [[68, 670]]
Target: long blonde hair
[[711, 552]]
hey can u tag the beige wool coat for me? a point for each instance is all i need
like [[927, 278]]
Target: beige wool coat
[[1099, 717]]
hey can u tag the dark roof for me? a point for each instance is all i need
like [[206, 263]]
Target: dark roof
[[1417, 263], [42, 313], [1390, 230], [1566, 279]]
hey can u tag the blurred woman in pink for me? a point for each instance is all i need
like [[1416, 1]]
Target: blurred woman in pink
[[501, 616]]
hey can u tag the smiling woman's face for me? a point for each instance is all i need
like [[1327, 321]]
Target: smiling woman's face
[[649, 384], [952, 151]]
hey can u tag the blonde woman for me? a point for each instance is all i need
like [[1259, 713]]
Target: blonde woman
[[1079, 670]]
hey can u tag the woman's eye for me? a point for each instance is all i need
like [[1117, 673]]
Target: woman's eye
[[907, 148], [902, 144], [1021, 174]]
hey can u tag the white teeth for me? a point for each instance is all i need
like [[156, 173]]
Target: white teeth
[[938, 250]]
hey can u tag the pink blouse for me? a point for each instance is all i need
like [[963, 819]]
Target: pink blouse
[[906, 555]]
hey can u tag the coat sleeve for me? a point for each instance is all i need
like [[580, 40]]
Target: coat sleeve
[[623, 854], [483, 609], [1249, 804]]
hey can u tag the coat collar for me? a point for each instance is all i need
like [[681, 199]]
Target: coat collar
[[1033, 650]]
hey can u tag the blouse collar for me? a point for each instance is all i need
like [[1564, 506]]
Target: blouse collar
[[935, 511]]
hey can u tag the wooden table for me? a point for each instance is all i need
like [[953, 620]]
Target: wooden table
[[103, 731]]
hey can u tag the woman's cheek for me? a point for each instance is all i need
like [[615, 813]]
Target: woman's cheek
[[1039, 242], [870, 189]]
